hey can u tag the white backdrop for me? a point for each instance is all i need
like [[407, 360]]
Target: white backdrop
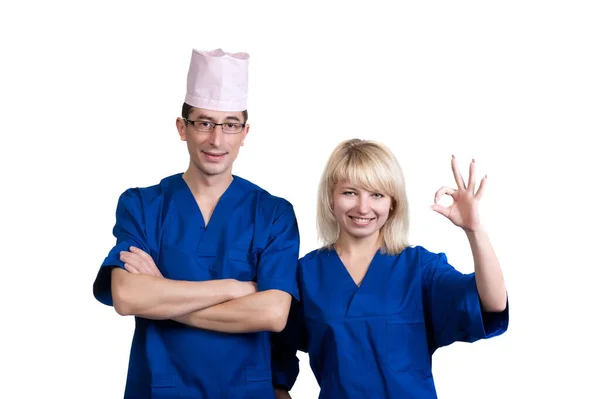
[[90, 93]]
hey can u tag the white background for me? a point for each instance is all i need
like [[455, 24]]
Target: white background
[[89, 97]]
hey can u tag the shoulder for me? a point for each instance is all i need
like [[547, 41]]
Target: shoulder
[[418, 259], [145, 195], [422, 255], [315, 256], [266, 201], [430, 263], [309, 263]]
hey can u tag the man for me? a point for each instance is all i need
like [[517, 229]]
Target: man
[[204, 260]]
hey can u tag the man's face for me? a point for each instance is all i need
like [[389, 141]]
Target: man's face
[[214, 151]]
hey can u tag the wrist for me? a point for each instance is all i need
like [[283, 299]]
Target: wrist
[[475, 233]]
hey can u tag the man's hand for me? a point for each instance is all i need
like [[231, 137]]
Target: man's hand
[[282, 394], [139, 262]]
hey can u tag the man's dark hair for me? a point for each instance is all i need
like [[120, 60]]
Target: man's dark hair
[[186, 110]]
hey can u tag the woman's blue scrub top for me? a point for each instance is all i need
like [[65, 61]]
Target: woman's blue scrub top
[[376, 340], [251, 236]]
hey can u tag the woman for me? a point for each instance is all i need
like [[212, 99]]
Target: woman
[[372, 308]]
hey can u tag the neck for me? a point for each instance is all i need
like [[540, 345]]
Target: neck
[[351, 246], [203, 186]]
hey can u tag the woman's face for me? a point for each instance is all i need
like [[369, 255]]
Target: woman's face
[[360, 213]]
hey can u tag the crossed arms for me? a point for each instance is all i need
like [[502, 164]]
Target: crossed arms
[[224, 305], [131, 282]]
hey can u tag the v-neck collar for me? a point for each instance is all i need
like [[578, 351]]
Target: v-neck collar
[[221, 202], [358, 300], [345, 271]]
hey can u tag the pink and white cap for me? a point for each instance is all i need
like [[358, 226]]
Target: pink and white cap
[[218, 80]]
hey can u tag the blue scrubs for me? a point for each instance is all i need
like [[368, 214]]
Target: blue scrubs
[[251, 236], [376, 340]]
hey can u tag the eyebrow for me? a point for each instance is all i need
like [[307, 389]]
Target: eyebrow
[[211, 119], [345, 188]]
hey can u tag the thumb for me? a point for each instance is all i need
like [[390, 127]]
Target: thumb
[[440, 209]]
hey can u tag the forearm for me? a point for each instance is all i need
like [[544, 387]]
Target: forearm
[[262, 311], [159, 298], [488, 274]]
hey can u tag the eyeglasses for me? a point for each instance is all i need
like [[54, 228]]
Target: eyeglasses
[[206, 126]]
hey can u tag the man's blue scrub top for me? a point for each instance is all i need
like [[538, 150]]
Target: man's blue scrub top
[[251, 236]]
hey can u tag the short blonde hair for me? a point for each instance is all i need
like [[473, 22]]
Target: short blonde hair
[[373, 167]]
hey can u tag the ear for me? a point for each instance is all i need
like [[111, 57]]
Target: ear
[[181, 128], [245, 133]]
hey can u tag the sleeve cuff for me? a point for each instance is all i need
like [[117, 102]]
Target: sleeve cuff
[[483, 324], [285, 379], [289, 287]]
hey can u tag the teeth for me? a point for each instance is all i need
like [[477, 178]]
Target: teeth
[[361, 220]]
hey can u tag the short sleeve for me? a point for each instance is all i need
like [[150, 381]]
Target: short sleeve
[[278, 261], [285, 344], [452, 304], [129, 230]]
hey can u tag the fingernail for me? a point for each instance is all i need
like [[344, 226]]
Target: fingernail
[[452, 156], [473, 160]]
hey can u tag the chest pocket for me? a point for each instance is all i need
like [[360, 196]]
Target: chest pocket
[[406, 339], [236, 264]]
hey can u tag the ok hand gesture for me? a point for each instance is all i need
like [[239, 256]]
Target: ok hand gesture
[[463, 210]]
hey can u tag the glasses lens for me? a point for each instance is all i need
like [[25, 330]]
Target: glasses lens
[[232, 127], [204, 126]]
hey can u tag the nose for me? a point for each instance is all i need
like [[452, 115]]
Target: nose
[[363, 204], [216, 136]]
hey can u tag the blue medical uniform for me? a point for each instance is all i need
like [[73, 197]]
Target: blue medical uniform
[[251, 236], [376, 340]]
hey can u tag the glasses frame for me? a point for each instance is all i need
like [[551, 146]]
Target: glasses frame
[[214, 126]]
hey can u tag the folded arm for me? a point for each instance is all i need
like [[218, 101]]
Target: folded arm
[[268, 309], [262, 311], [158, 298], [130, 281]]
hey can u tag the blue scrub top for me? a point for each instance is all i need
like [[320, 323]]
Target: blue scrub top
[[251, 236], [376, 340]]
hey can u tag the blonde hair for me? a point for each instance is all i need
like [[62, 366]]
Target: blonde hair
[[373, 167]]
